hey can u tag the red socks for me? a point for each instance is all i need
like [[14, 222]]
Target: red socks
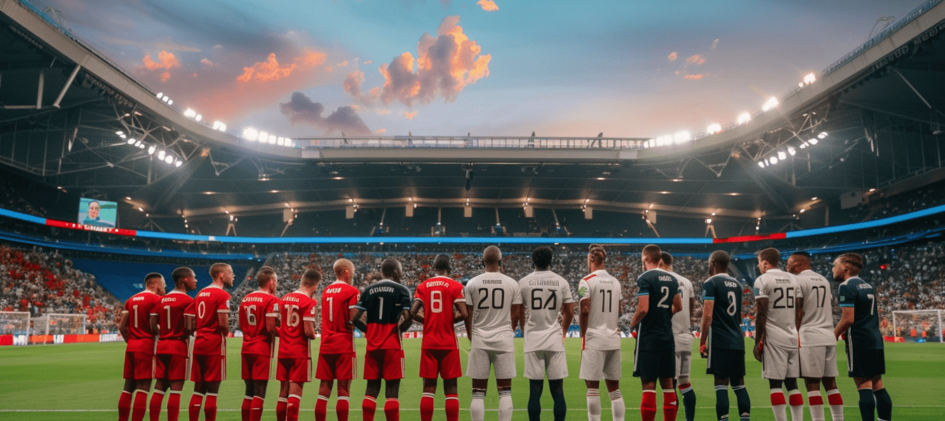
[[173, 406], [392, 409], [140, 406], [280, 409], [154, 407], [368, 406], [321, 408], [834, 398], [210, 408], [670, 406], [193, 410], [244, 408], [648, 405], [777, 397], [815, 400], [426, 407], [124, 405], [341, 407], [796, 398], [292, 408], [256, 408], [452, 408]]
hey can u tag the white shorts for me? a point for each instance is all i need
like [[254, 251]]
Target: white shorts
[[480, 361], [596, 364], [780, 363], [537, 363], [819, 361], [683, 363]]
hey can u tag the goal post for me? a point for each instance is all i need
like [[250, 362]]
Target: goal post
[[65, 324], [15, 323], [919, 325]]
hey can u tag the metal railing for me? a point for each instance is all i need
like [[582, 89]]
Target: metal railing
[[488, 142]]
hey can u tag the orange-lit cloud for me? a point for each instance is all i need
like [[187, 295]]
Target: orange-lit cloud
[[382, 111], [695, 59], [673, 56], [353, 83], [380, 131], [488, 5], [409, 115], [694, 77], [271, 70], [166, 61], [368, 62]]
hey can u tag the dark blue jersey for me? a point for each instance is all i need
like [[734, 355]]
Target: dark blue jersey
[[384, 302], [726, 293], [656, 328], [864, 332]]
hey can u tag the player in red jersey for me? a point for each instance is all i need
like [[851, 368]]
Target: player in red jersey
[[259, 311], [336, 357], [294, 367], [387, 304], [212, 311], [135, 329], [439, 355], [171, 359]]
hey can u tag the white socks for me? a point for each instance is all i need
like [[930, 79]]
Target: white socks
[[778, 405], [477, 406], [816, 402], [836, 405], [505, 405], [593, 405], [797, 411], [616, 405]]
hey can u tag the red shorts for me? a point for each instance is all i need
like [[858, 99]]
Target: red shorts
[[138, 366], [296, 370], [170, 367], [256, 367], [440, 362], [208, 368], [336, 366], [387, 364]]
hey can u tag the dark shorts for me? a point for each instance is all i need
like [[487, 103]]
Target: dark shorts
[[866, 363], [726, 363], [652, 364]]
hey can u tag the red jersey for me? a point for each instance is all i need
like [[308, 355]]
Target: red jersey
[[295, 308], [383, 303], [254, 309], [337, 301], [438, 296], [139, 308], [210, 301], [170, 312]]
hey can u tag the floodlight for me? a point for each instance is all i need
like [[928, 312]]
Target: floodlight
[[744, 118], [761, 164], [708, 221], [138, 143], [160, 95], [682, 137], [714, 128], [169, 159], [769, 104], [131, 141], [218, 125], [190, 113], [263, 136], [822, 135], [178, 163], [272, 139], [250, 133], [812, 141], [664, 140], [289, 142], [280, 141], [160, 155], [165, 98], [782, 156], [199, 117], [151, 149], [773, 160], [810, 78], [170, 102], [791, 151], [120, 133]]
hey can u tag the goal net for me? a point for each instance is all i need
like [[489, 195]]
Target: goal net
[[59, 324], [918, 325], [14, 323]]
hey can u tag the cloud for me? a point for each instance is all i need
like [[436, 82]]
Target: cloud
[[672, 56], [714, 44], [443, 67], [380, 131], [382, 111], [353, 83], [207, 62], [409, 115], [695, 59], [695, 77], [488, 5], [302, 110], [166, 61], [368, 62], [271, 70]]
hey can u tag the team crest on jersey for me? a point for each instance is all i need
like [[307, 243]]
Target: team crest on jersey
[[582, 292], [757, 291], [843, 298]]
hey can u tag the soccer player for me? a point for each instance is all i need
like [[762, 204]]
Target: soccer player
[[776, 340], [296, 330], [135, 329], [439, 354], [544, 294], [859, 324], [655, 353], [172, 360], [492, 300], [721, 341], [259, 311], [599, 294], [336, 357], [818, 349], [387, 305], [212, 311], [682, 331]]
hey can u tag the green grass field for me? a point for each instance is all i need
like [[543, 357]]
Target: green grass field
[[83, 381]]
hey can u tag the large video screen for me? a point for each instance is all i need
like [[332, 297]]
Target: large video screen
[[98, 213]]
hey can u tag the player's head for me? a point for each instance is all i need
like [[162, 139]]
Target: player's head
[[391, 269], [311, 278], [441, 265], [596, 256], [798, 262], [492, 258], [154, 282], [847, 266], [666, 261], [542, 257], [222, 272], [652, 256], [344, 270], [94, 209], [769, 258], [267, 279], [718, 262], [184, 279]]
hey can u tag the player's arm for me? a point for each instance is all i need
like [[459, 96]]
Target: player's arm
[[692, 304], [468, 322], [798, 311], [415, 311], [585, 314], [358, 321], [405, 320], [223, 322], [643, 307], [153, 320], [847, 300], [462, 311], [309, 326], [123, 325], [567, 317], [677, 304], [708, 304], [516, 315], [761, 321]]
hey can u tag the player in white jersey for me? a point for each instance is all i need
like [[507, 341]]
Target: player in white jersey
[[544, 294], [818, 348], [494, 303], [776, 340], [600, 353], [682, 330]]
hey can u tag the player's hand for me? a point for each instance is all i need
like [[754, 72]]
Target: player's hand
[[703, 351], [759, 351]]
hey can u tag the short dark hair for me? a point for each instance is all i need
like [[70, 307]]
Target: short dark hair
[[770, 255], [666, 258], [852, 259], [801, 253], [181, 273], [265, 275], [719, 259], [597, 253], [312, 277], [652, 253], [442, 263], [389, 266], [542, 257]]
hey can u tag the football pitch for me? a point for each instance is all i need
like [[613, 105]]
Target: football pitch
[[83, 381]]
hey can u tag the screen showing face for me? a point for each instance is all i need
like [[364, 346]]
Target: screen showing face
[[98, 213]]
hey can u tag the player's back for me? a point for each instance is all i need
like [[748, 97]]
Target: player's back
[[384, 302], [682, 321], [254, 309], [817, 324], [140, 307], [726, 294], [656, 328], [543, 293], [438, 296], [295, 308], [337, 301], [604, 292], [171, 321], [781, 290], [210, 302], [491, 296], [864, 332]]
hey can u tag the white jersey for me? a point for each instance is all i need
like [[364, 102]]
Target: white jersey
[[544, 293], [817, 325], [682, 321], [782, 291], [603, 291], [490, 296]]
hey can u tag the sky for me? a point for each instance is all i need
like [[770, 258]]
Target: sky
[[483, 67]]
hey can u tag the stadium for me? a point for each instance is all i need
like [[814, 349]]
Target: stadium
[[109, 171]]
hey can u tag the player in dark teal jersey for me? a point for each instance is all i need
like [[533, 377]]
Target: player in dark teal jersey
[[722, 342], [864, 343]]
